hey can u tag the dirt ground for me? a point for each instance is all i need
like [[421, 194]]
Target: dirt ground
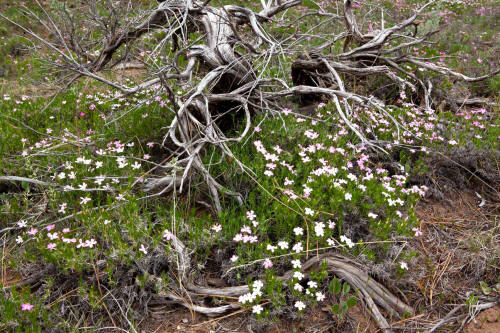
[[315, 320], [487, 321]]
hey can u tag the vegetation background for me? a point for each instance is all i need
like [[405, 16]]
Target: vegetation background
[[84, 248]]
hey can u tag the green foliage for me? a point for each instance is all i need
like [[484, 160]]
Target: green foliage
[[472, 300], [14, 319], [345, 301], [38, 139]]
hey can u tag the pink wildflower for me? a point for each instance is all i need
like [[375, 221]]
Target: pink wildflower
[[417, 232], [167, 234], [26, 307], [251, 215], [32, 231]]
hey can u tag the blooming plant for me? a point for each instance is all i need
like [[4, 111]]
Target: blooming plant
[[319, 184], [311, 182]]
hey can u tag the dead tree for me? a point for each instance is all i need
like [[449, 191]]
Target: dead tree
[[225, 66], [230, 69]]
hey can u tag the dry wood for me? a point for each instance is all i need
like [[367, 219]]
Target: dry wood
[[370, 291], [229, 76]]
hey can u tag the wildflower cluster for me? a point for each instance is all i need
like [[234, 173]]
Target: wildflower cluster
[[86, 176]]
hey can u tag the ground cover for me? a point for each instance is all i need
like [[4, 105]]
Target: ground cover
[[94, 238]]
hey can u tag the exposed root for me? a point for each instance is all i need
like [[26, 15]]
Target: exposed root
[[208, 311], [370, 291]]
